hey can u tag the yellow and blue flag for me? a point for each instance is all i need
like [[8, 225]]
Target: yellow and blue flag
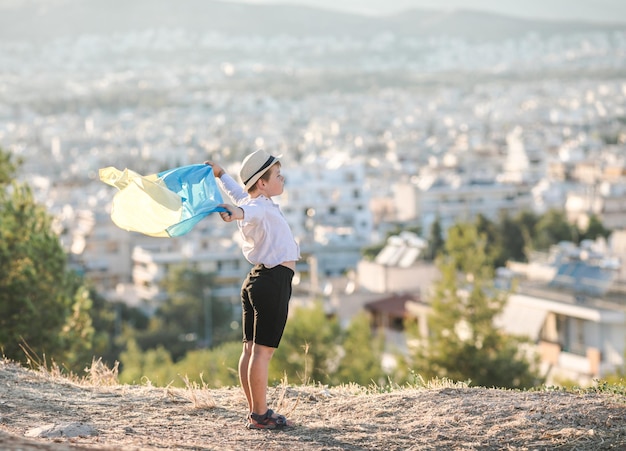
[[167, 204]]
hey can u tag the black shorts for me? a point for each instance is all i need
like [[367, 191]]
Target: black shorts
[[265, 298]]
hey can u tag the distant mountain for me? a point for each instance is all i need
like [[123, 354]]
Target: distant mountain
[[478, 25], [44, 20]]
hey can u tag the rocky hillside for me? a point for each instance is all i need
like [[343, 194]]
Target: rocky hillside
[[43, 411]]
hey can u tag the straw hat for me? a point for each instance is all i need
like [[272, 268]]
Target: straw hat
[[254, 166]]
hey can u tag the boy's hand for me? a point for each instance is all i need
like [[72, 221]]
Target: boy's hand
[[218, 171], [232, 214]]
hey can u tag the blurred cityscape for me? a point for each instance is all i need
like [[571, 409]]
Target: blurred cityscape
[[379, 124]]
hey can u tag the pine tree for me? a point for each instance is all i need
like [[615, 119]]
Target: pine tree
[[44, 306], [190, 317], [552, 228], [362, 354], [462, 343], [309, 349], [595, 229]]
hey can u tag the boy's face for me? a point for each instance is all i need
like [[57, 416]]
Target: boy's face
[[275, 183]]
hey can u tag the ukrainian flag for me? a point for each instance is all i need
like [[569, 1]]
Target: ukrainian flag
[[167, 204]]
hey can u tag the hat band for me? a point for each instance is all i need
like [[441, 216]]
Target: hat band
[[269, 161]]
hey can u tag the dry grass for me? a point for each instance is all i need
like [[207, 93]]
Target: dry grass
[[199, 395], [431, 415]]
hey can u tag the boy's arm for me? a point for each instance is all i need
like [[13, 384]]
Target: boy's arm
[[234, 191]]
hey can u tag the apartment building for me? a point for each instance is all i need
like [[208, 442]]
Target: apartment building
[[456, 198], [326, 202], [100, 248], [573, 309], [601, 191], [217, 255], [570, 303], [129, 267], [606, 200]]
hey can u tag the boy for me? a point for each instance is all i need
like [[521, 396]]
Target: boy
[[270, 246]]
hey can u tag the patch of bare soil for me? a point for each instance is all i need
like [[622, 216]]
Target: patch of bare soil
[[39, 411]]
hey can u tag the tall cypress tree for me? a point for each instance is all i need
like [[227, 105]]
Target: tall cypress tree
[[435, 240]]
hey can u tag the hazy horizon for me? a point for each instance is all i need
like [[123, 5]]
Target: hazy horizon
[[570, 10], [599, 11]]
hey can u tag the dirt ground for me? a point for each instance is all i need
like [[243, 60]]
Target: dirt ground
[[39, 411]]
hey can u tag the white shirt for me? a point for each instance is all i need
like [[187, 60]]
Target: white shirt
[[268, 239]]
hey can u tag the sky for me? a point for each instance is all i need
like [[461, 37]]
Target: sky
[[590, 10]]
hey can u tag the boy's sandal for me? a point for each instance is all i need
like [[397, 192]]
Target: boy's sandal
[[267, 421]]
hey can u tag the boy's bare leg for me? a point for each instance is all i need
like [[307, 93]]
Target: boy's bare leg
[[258, 368], [244, 364]]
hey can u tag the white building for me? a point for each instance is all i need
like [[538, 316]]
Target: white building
[[129, 267], [454, 199], [571, 305], [326, 202], [573, 311], [617, 246], [605, 200], [523, 164], [398, 268], [219, 256], [102, 249]]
